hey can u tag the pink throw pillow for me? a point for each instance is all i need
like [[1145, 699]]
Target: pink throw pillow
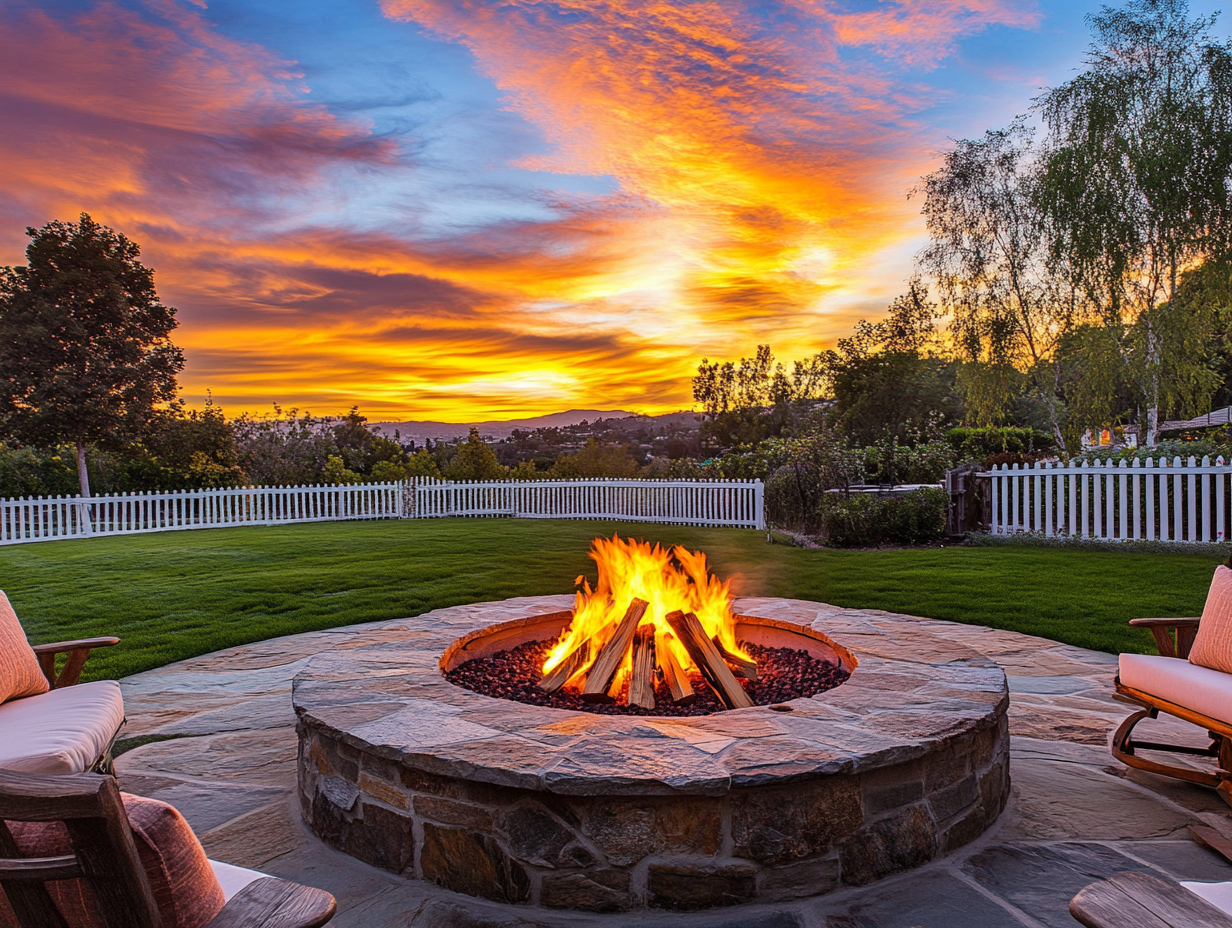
[[184, 885], [19, 668], [1213, 645]]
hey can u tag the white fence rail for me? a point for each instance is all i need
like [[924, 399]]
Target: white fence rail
[[1176, 501], [24, 520], [690, 502], [686, 502]]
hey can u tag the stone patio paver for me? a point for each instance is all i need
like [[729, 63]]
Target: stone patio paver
[[1075, 814]]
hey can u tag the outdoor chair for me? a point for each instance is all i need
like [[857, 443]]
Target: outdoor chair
[[1141, 900], [76, 853], [48, 722], [1190, 679]]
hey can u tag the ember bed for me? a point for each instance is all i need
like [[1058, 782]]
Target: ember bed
[[571, 809]]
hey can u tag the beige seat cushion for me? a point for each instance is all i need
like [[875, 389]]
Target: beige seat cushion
[[1213, 645], [232, 878], [62, 731], [1217, 894], [19, 668], [1198, 688]]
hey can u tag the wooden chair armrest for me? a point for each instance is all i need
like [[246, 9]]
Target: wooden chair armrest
[[77, 652], [60, 647], [47, 797], [1143, 901], [1161, 630], [274, 903]]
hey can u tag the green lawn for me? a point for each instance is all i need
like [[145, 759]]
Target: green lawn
[[174, 595]]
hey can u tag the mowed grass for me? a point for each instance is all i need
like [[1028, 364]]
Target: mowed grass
[[175, 595]]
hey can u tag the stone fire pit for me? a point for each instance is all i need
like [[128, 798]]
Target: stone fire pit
[[526, 804]]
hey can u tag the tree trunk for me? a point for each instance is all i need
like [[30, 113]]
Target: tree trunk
[[83, 476], [1152, 378], [1050, 398]]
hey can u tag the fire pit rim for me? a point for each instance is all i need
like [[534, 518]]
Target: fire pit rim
[[830, 733]]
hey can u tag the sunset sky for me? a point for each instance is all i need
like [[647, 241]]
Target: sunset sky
[[470, 210]]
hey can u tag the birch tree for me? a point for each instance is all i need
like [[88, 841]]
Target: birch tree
[[1136, 184], [988, 256]]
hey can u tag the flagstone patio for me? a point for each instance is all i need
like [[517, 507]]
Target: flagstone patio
[[229, 764]]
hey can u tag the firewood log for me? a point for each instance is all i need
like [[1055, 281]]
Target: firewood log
[[603, 671], [677, 679], [641, 684], [559, 675], [741, 667], [688, 629]]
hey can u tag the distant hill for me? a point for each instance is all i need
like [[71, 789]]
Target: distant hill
[[496, 429], [684, 420]]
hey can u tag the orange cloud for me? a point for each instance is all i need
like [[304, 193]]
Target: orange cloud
[[760, 157], [771, 166]]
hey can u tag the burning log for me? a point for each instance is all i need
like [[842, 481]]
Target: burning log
[[741, 667], [560, 674], [716, 673], [677, 680], [641, 684], [608, 660]]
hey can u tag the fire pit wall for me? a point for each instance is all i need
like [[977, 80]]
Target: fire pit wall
[[522, 804]]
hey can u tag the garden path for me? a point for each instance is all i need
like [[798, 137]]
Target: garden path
[[1075, 814]]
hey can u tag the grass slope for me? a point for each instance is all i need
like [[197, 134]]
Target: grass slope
[[175, 595]]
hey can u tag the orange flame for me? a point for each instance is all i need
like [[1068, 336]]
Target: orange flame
[[667, 578]]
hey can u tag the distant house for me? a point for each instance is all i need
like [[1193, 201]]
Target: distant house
[[1214, 417]]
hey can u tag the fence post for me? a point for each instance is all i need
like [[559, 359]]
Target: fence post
[[1220, 480], [995, 482]]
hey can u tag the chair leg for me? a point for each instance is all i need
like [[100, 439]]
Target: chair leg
[[1124, 748], [1225, 772]]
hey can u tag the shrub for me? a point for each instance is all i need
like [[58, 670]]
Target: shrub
[[979, 444], [794, 497], [597, 459], [337, 474], [38, 472], [890, 463], [1165, 449], [474, 460], [865, 520]]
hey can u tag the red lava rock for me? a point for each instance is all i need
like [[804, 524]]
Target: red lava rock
[[785, 673]]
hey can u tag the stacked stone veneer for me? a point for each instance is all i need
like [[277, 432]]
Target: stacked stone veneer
[[521, 804]]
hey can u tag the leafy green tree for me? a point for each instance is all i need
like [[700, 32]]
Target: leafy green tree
[[525, 470], [1207, 293], [27, 471], [419, 464], [748, 401], [597, 459], [337, 473], [285, 448], [988, 254], [422, 464], [474, 460], [362, 448], [85, 342], [885, 379], [194, 448], [1135, 185]]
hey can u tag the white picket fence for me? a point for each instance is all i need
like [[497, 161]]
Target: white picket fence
[[1176, 501], [689, 502], [738, 503], [23, 520]]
